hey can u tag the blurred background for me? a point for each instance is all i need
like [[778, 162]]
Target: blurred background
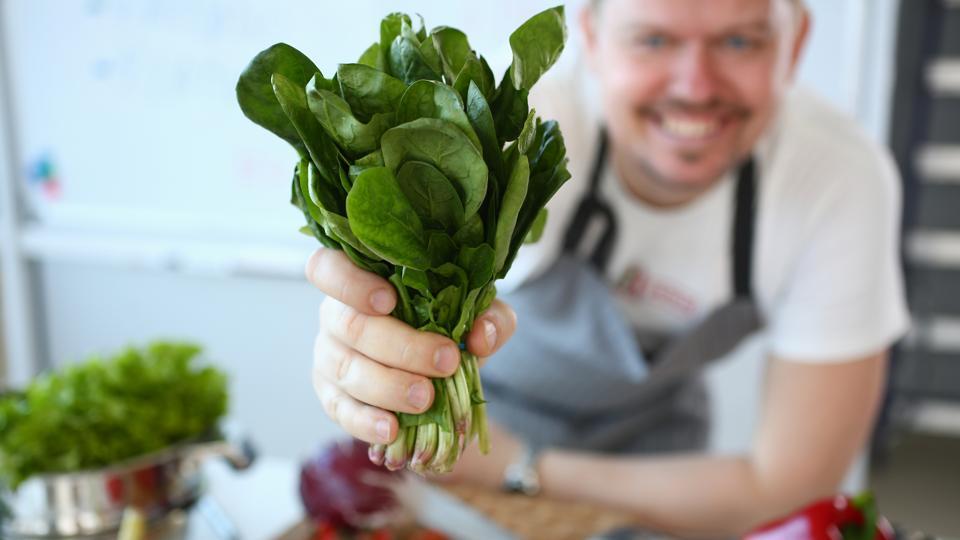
[[139, 203]]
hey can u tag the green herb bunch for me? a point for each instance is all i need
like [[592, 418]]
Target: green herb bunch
[[424, 170], [106, 410]]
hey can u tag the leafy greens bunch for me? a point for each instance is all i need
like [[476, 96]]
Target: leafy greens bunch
[[104, 411], [424, 170]]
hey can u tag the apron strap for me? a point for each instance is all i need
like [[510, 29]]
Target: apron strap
[[593, 209], [743, 227]]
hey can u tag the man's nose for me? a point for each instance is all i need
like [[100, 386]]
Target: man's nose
[[694, 78]]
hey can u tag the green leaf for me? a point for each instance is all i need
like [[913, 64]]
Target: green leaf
[[513, 199], [352, 136], [441, 248], [298, 199], [446, 307], [510, 111], [417, 280], [404, 308], [432, 196], [390, 28], [485, 299], [536, 230], [338, 227], [454, 49], [407, 62], [536, 46], [465, 321], [384, 221], [481, 119], [372, 57], [474, 72], [430, 55], [255, 90], [319, 147], [548, 171], [369, 91], [444, 146], [431, 99], [324, 195], [373, 159], [471, 234], [529, 131], [479, 264]]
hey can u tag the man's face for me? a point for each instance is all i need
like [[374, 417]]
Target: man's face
[[688, 86]]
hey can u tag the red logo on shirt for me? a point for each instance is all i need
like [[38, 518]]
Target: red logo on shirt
[[636, 285]]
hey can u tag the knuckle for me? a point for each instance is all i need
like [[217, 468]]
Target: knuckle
[[342, 363], [352, 324]]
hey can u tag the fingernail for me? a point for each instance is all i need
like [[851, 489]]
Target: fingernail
[[490, 334], [418, 394], [381, 301], [383, 430], [446, 358]]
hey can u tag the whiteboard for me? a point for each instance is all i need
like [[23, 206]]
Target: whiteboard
[[126, 117]]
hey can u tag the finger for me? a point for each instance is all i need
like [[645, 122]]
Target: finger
[[370, 382], [492, 329], [331, 271], [362, 421], [390, 341]]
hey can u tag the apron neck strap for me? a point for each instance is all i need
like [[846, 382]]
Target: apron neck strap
[[743, 228], [593, 211]]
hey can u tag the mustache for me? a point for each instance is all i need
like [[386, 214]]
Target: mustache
[[714, 107]]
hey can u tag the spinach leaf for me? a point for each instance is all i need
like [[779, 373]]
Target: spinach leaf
[[431, 99], [293, 103], [510, 110], [381, 218], [368, 90], [536, 45], [352, 136], [471, 234], [513, 200], [536, 230], [408, 63], [479, 264], [372, 57], [431, 195], [255, 89], [481, 119], [390, 28], [444, 146]]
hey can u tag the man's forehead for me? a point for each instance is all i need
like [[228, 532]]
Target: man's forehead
[[715, 14]]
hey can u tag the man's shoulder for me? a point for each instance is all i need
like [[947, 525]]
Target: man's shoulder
[[819, 146]]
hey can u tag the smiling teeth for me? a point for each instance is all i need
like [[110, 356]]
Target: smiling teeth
[[689, 129]]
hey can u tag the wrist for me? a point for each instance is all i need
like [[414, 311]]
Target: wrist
[[522, 472]]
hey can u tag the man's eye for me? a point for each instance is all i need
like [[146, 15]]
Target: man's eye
[[652, 41], [739, 43]]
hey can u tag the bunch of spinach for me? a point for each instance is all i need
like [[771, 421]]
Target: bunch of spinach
[[103, 411], [424, 170]]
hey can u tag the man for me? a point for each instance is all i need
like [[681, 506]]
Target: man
[[709, 200]]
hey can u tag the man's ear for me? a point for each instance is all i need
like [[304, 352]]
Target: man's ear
[[800, 40]]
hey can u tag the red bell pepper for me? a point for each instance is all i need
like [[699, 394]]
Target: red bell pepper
[[839, 518]]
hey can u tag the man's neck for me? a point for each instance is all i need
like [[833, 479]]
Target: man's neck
[[644, 184]]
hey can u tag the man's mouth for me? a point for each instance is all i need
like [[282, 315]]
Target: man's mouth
[[693, 128], [686, 128]]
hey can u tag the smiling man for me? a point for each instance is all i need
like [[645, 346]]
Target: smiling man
[[710, 201]]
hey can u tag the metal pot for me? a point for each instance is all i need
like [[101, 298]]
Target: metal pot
[[87, 503]]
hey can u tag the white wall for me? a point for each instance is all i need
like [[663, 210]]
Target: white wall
[[260, 328]]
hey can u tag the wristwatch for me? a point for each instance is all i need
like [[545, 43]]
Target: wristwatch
[[521, 476]]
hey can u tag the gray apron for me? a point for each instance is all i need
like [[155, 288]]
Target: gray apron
[[574, 374]]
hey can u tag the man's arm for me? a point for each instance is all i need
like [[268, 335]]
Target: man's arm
[[816, 418]]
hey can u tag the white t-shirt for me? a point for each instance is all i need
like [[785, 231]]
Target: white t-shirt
[[826, 271]]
